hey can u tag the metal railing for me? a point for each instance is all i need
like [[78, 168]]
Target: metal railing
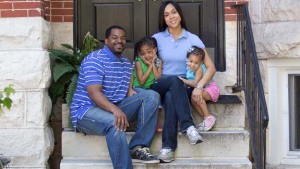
[[249, 81]]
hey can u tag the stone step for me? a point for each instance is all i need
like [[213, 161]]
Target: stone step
[[230, 116], [223, 143], [242, 163]]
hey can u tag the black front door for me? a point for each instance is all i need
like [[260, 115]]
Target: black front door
[[204, 18]]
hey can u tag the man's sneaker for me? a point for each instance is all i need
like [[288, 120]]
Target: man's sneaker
[[166, 155], [193, 135], [142, 154], [207, 123]]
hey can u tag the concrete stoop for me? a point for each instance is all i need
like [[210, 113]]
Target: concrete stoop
[[181, 163], [225, 144], [225, 147]]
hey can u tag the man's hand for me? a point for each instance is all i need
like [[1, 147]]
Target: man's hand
[[197, 96], [121, 122], [131, 92]]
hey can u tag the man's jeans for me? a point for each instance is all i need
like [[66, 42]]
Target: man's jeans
[[141, 106], [177, 108]]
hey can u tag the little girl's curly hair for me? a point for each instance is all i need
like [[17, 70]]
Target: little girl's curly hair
[[196, 51]]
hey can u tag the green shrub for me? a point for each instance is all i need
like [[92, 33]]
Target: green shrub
[[66, 68]]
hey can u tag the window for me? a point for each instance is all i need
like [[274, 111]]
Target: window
[[294, 112]]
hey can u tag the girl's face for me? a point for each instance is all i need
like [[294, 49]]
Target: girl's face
[[194, 62], [147, 52], [172, 17]]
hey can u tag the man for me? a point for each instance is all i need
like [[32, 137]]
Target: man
[[100, 105]]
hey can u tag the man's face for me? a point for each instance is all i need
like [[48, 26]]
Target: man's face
[[116, 41]]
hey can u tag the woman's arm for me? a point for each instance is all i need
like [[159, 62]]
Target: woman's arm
[[210, 71]]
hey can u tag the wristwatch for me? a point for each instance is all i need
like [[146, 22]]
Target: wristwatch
[[199, 87]]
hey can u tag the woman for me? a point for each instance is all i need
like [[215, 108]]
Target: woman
[[173, 43]]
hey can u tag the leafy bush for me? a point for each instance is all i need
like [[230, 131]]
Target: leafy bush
[[66, 68], [5, 100]]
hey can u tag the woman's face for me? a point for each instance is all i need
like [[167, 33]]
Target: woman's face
[[172, 17]]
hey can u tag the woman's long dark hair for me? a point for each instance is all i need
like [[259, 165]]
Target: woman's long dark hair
[[161, 19]]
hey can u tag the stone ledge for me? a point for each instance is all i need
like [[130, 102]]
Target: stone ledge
[[190, 163], [225, 144]]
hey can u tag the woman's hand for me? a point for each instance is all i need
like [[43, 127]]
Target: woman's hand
[[197, 95]]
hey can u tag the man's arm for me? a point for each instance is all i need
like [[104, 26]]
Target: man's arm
[[101, 100], [130, 91]]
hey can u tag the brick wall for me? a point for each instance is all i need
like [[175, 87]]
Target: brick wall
[[62, 10], [230, 13], [24, 8]]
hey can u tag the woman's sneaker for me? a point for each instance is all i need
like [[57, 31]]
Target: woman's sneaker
[[166, 155], [142, 154], [207, 123], [193, 135]]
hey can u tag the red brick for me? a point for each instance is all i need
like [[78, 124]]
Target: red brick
[[32, 13], [56, 5], [228, 4], [15, 13], [26, 5], [242, 2], [68, 18], [230, 17], [10, 0], [56, 18], [5, 5], [68, 5], [61, 11], [230, 10], [61, 0]]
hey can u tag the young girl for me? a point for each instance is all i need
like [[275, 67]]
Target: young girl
[[148, 66], [195, 71]]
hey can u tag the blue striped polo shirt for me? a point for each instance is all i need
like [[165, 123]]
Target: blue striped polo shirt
[[104, 68]]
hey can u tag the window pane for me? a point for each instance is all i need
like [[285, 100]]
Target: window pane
[[294, 104]]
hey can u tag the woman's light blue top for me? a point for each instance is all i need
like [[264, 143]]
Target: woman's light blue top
[[173, 52]]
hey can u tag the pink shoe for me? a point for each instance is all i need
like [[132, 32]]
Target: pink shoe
[[207, 123]]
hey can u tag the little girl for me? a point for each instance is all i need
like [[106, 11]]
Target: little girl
[[148, 67], [195, 71]]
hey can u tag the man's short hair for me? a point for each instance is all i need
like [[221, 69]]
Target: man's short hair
[[108, 30]]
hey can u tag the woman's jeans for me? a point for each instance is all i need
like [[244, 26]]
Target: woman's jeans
[[177, 108], [141, 106]]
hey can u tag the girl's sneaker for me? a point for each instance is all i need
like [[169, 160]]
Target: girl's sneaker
[[207, 123]]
